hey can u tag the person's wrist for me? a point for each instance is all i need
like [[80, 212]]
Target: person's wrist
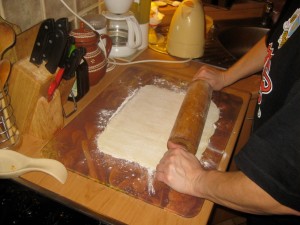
[[199, 184], [224, 79]]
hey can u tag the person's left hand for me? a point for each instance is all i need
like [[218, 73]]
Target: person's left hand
[[215, 77], [180, 170]]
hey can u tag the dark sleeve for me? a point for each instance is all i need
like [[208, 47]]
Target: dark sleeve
[[271, 158]]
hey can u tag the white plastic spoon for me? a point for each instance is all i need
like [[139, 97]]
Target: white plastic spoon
[[14, 164]]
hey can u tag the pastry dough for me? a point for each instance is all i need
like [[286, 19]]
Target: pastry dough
[[140, 130]]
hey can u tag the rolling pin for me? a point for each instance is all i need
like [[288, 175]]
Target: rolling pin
[[190, 121]]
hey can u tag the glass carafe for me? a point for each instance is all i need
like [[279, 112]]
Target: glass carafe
[[125, 33]]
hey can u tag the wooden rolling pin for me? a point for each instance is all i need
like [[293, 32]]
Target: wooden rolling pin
[[191, 118]]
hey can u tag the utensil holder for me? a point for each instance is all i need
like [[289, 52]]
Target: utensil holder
[[28, 89], [9, 134]]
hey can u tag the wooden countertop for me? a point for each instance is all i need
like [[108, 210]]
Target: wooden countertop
[[106, 203]]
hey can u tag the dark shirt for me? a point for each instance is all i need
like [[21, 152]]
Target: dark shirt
[[271, 158]]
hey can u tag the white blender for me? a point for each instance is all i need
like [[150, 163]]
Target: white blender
[[122, 27]]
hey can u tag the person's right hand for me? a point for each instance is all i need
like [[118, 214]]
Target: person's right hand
[[181, 170], [215, 77]]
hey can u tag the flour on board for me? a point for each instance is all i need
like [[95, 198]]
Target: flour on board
[[139, 131]]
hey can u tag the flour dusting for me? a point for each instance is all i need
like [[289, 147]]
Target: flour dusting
[[151, 174], [179, 88], [105, 115], [138, 130]]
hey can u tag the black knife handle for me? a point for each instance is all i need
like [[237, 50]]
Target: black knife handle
[[82, 84], [73, 62], [50, 39], [63, 24], [47, 27], [66, 53], [59, 44]]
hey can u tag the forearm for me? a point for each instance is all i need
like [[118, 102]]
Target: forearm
[[249, 64], [236, 191], [183, 172]]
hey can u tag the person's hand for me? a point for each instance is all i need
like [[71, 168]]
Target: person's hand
[[215, 77], [180, 170]]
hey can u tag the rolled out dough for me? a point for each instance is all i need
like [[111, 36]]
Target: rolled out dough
[[140, 130]]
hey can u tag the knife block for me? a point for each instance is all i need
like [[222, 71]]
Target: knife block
[[28, 86]]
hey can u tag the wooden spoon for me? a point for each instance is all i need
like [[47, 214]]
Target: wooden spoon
[[4, 72], [5, 68], [7, 38]]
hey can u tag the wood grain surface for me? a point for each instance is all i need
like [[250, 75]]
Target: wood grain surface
[[76, 148], [190, 121]]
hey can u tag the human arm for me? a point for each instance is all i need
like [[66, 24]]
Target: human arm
[[251, 63], [183, 172]]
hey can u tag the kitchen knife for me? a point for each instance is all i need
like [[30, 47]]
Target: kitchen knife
[[43, 38], [82, 84], [55, 83], [69, 48], [67, 71], [72, 62], [59, 44]]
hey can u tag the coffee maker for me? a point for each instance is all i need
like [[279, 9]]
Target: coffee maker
[[122, 27]]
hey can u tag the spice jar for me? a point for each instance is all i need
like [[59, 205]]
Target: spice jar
[[95, 57]]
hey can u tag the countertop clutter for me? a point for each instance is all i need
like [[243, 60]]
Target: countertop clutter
[[107, 197]]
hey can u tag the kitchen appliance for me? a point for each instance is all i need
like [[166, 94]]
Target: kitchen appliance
[[141, 10], [186, 37], [118, 6], [97, 21], [123, 28]]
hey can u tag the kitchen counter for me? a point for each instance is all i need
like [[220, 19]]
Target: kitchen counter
[[103, 202]]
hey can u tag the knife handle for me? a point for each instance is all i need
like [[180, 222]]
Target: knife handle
[[63, 24], [42, 40], [67, 51], [82, 84], [55, 83], [57, 51], [72, 62], [59, 44]]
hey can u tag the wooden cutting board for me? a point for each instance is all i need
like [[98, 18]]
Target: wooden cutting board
[[75, 144]]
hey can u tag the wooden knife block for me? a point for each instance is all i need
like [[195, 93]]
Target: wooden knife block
[[28, 86]]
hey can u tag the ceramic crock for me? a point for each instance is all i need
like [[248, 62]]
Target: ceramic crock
[[95, 57]]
